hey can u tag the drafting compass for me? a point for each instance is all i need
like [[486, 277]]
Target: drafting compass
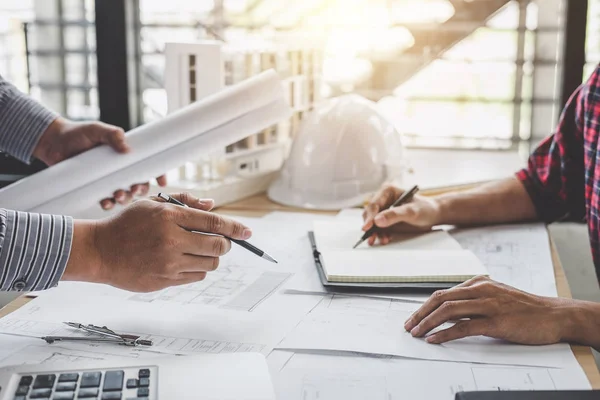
[[103, 334]]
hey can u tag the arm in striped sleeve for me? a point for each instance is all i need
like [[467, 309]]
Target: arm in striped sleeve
[[22, 122], [34, 249]]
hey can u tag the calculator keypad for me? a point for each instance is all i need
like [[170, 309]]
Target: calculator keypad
[[117, 384]]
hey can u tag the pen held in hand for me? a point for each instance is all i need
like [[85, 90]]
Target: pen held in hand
[[241, 243], [404, 198]]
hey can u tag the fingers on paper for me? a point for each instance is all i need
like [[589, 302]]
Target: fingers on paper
[[467, 303], [436, 300], [474, 281], [461, 329], [449, 311]]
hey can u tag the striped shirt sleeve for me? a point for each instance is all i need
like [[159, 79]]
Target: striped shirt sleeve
[[34, 249], [22, 122]]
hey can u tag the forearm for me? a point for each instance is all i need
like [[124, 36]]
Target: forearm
[[581, 322], [502, 201]]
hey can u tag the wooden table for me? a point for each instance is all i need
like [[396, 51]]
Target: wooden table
[[259, 205]]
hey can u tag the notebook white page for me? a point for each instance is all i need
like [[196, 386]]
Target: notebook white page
[[427, 257], [401, 265]]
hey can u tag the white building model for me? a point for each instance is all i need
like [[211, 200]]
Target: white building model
[[196, 70]]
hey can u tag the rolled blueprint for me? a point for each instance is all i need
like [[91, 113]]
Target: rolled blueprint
[[171, 158], [200, 128]]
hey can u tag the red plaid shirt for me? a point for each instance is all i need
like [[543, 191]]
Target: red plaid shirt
[[563, 173]]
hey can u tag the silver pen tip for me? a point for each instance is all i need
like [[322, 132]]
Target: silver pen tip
[[269, 258], [163, 196]]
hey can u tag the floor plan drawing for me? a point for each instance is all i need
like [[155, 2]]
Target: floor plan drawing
[[43, 354], [341, 386], [518, 255], [370, 305], [330, 377], [188, 345], [161, 344], [234, 287]]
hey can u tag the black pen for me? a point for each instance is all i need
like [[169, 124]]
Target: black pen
[[405, 197], [242, 243]]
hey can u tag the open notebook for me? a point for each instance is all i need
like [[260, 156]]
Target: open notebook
[[418, 258]]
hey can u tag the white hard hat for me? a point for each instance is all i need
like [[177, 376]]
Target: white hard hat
[[344, 150]]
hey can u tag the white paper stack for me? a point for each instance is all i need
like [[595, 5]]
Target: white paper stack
[[200, 128]]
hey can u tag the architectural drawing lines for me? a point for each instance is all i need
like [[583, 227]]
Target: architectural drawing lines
[[234, 287]]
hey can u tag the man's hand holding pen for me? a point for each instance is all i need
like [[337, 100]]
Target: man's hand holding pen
[[416, 214], [148, 246]]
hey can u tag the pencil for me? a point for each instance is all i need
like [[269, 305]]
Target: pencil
[[241, 243]]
